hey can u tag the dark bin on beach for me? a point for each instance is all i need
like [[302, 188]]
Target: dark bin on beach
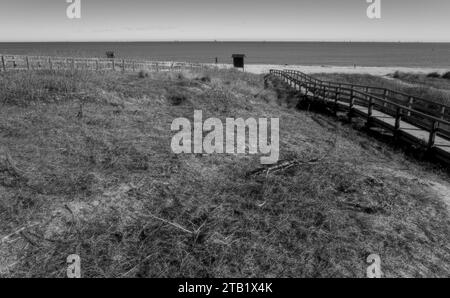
[[110, 55], [238, 60]]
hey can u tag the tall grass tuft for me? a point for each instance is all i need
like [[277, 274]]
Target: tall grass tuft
[[433, 75], [143, 74], [446, 75]]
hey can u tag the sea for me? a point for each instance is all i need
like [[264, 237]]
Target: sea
[[431, 55]]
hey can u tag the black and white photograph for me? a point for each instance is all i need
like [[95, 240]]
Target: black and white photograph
[[224, 146]]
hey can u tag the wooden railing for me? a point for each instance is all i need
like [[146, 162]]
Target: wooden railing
[[415, 111], [20, 62]]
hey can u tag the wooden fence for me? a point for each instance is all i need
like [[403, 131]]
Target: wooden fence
[[411, 116], [20, 62]]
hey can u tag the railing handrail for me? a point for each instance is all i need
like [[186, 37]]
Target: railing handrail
[[397, 105], [389, 91]]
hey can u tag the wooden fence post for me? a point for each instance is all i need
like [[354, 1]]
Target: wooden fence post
[[97, 67], [3, 63], [28, 63], [443, 113], [50, 63], [123, 65]]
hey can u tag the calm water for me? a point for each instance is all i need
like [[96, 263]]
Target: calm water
[[433, 55]]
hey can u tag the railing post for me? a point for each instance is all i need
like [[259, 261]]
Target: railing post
[[410, 104], [28, 63], [433, 133], [50, 63], [367, 92], [385, 97], [398, 117], [123, 65], [350, 111], [443, 113], [113, 64], [369, 112], [96, 65], [351, 98], [336, 93], [315, 91]]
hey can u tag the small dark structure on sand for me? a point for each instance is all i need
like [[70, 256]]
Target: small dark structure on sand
[[110, 54], [238, 60]]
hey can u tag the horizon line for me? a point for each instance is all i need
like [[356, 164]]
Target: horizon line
[[224, 40]]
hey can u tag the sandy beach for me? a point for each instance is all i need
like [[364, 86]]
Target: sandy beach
[[378, 71]]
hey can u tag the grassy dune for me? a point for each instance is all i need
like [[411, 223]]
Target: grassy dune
[[427, 80], [86, 168]]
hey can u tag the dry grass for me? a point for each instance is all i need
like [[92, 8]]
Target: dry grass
[[86, 168], [434, 80]]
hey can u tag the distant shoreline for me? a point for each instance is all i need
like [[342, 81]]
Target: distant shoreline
[[229, 41], [372, 70]]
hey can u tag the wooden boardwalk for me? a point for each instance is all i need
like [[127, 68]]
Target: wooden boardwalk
[[417, 121]]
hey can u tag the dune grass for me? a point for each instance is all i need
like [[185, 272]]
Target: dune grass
[[433, 79], [86, 168], [446, 75]]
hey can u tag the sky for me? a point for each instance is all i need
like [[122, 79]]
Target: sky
[[240, 20]]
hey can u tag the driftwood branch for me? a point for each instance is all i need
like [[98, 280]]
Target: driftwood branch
[[287, 164], [284, 165], [170, 223], [20, 231]]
